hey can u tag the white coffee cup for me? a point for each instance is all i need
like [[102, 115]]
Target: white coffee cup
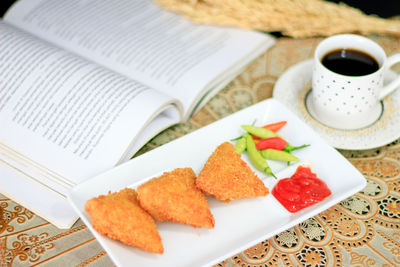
[[345, 101]]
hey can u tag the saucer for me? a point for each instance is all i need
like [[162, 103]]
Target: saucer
[[292, 89]]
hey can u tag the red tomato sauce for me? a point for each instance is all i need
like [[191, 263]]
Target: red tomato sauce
[[301, 190]]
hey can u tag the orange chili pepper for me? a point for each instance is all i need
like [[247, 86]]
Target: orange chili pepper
[[256, 139], [275, 126]]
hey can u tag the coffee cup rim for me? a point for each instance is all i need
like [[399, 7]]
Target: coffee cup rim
[[381, 58]]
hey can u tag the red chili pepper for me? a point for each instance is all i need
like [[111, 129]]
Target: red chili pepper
[[275, 126], [272, 142]]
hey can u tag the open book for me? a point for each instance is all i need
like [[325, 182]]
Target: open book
[[86, 83]]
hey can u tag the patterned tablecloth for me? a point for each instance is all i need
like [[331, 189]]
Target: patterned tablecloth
[[363, 230]]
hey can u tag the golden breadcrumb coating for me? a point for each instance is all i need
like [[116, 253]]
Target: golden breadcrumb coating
[[119, 216], [174, 196], [226, 176]]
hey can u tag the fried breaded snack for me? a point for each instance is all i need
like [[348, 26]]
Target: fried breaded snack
[[119, 216], [174, 196], [226, 176]]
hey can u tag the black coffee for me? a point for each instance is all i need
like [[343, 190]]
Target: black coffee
[[350, 62]]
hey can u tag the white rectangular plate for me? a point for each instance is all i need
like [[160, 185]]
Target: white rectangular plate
[[239, 224]]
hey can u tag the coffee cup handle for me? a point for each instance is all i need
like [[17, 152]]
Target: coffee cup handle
[[396, 82]]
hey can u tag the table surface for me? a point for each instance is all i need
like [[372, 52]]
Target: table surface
[[363, 230]]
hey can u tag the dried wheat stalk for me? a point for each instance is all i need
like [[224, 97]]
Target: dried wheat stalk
[[296, 18]]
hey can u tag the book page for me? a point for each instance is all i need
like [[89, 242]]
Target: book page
[[68, 119], [144, 42]]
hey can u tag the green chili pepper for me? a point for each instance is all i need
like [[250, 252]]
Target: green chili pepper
[[240, 145], [278, 155], [289, 148], [239, 137], [259, 131], [258, 161]]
